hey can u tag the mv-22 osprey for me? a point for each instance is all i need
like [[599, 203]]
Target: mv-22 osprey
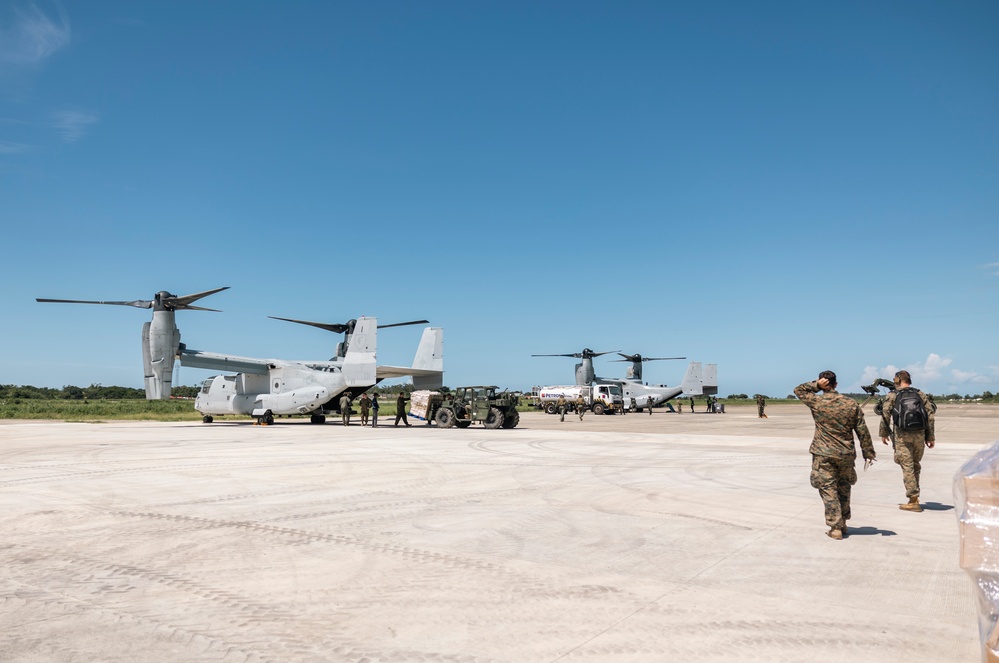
[[263, 388], [700, 379]]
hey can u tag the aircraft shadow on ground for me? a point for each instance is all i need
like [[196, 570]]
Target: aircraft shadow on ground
[[937, 506], [870, 531]]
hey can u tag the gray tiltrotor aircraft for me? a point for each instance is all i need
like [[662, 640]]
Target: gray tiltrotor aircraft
[[267, 387], [700, 379], [635, 372]]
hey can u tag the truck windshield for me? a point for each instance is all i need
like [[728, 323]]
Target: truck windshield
[[615, 390]]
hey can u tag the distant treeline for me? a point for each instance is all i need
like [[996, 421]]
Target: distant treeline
[[93, 392]]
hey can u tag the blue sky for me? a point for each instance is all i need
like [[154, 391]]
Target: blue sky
[[776, 187]]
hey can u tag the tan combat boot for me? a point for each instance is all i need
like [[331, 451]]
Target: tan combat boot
[[912, 505], [835, 533]]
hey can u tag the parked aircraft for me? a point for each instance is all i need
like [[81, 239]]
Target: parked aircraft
[[267, 387], [700, 379]]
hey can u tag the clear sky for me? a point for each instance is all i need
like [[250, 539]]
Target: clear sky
[[776, 187]]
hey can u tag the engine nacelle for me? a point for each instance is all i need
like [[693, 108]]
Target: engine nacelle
[[297, 401]]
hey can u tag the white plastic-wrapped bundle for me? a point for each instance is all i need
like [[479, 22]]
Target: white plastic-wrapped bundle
[[419, 404], [976, 489]]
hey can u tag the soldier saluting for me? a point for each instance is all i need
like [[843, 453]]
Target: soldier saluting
[[834, 455]]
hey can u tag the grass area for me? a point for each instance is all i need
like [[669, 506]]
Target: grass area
[[98, 410]]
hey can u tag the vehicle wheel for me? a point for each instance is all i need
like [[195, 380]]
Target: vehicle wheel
[[318, 419], [494, 419], [207, 419], [268, 418], [551, 409], [598, 408], [511, 419], [444, 418]]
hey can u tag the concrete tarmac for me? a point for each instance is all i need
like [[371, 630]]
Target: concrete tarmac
[[670, 537]]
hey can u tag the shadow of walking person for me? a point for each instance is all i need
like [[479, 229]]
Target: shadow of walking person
[[870, 531]]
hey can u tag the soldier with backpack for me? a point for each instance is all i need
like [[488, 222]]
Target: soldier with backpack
[[911, 413]]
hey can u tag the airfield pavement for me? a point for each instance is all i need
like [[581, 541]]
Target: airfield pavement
[[671, 537]]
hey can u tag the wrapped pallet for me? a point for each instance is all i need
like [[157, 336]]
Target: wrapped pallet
[[420, 403], [976, 490]]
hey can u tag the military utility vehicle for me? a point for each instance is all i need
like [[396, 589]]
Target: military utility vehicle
[[466, 405]]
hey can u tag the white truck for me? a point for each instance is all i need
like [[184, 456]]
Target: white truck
[[600, 398]]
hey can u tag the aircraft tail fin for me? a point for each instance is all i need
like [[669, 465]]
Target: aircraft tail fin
[[359, 361], [700, 380], [430, 357]]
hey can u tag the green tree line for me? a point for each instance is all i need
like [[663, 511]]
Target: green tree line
[[75, 393]]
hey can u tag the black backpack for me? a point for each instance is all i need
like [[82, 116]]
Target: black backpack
[[909, 412]]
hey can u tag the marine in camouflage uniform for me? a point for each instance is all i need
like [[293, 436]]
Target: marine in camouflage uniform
[[909, 444], [345, 408], [400, 410], [761, 405], [560, 406], [580, 406], [833, 452], [365, 403]]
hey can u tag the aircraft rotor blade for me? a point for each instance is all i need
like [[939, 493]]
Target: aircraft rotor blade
[[198, 308], [139, 303], [634, 358], [403, 324], [336, 328], [585, 354], [178, 303]]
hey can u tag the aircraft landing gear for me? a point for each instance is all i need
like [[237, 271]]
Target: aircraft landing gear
[[318, 419], [266, 419], [207, 419]]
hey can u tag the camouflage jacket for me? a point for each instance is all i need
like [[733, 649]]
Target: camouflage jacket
[[836, 418], [928, 434]]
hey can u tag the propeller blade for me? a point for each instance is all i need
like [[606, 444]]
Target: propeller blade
[[184, 302], [586, 353], [333, 327], [634, 358], [198, 308], [139, 303], [403, 324]]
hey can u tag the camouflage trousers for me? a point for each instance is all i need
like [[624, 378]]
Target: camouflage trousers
[[908, 454], [833, 478]]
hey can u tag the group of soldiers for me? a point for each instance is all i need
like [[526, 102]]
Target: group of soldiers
[[369, 406], [562, 405], [838, 418]]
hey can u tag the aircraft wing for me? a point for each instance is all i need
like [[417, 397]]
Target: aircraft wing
[[228, 363], [383, 372]]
